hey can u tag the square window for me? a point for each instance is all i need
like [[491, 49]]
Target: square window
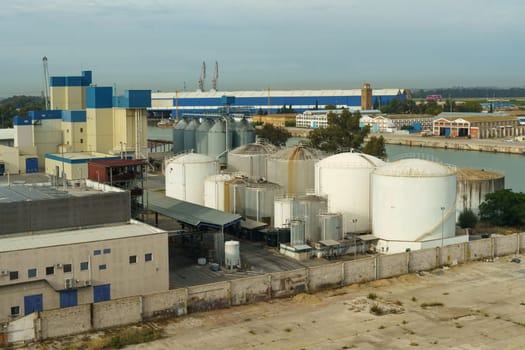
[[84, 265], [13, 275], [67, 268], [107, 251], [31, 273], [50, 270], [96, 252], [132, 259], [148, 257], [102, 267], [15, 310]]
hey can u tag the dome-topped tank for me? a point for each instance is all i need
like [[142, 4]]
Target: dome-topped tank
[[413, 200], [293, 169], [250, 159], [218, 142], [201, 136], [185, 175], [189, 135], [178, 136], [345, 179], [244, 133]]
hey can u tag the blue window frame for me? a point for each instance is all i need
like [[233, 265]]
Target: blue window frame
[[96, 252], [148, 257], [102, 267], [84, 265], [15, 310], [31, 273], [107, 250]]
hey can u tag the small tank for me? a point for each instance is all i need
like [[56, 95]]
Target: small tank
[[308, 208], [178, 136], [331, 226], [232, 254], [297, 233]]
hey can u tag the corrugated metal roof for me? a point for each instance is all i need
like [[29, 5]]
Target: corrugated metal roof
[[190, 213], [64, 238]]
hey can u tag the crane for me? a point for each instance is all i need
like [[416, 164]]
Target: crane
[[46, 83], [215, 77], [203, 77]]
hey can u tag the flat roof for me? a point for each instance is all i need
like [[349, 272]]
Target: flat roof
[[113, 163], [19, 193], [329, 243], [79, 157], [368, 237], [65, 238]]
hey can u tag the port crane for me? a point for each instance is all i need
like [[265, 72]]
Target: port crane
[[46, 83], [215, 77], [203, 77]]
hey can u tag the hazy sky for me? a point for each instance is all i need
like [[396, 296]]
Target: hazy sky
[[283, 44]]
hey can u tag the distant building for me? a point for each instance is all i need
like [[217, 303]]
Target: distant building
[[477, 125], [378, 124], [366, 97]]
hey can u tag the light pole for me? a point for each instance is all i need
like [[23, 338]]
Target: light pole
[[442, 223], [355, 232]]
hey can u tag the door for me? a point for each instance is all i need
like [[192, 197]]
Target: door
[[31, 165], [68, 298], [33, 303], [101, 293]]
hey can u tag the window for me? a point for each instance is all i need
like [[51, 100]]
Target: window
[[81, 140], [148, 257], [13, 275], [107, 251], [31, 273], [84, 265], [96, 252], [132, 259], [15, 310], [81, 129], [67, 268], [102, 267], [50, 270]]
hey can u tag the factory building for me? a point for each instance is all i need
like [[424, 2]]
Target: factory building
[[478, 125]]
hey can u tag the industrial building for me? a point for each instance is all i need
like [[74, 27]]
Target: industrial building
[[477, 125]]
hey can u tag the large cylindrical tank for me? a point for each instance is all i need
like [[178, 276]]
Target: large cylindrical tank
[[189, 135], [259, 201], [345, 179], [201, 136], [413, 200], [178, 136], [293, 169], [237, 190], [331, 225], [297, 236], [284, 211], [232, 254], [185, 175], [250, 159], [473, 185], [307, 209], [216, 191], [219, 140]]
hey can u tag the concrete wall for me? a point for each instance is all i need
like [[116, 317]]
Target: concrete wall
[[209, 296], [506, 245], [325, 276], [250, 290], [170, 303], [359, 271], [289, 282], [522, 241], [117, 312], [392, 265], [453, 254], [479, 249], [422, 260], [61, 322], [22, 329]]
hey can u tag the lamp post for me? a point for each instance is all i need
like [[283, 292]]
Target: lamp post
[[355, 232], [442, 223]]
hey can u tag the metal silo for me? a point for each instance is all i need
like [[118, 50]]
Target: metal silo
[[413, 200], [178, 136], [216, 191], [185, 175], [219, 140], [331, 225], [201, 136], [259, 201], [297, 236], [307, 209], [293, 169], [237, 190], [251, 159], [189, 135], [244, 133], [353, 198]]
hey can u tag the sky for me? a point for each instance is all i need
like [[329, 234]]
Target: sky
[[276, 44]]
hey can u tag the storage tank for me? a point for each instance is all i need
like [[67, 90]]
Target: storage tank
[[345, 179], [189, 136], [284, 211], [473, 185], [251, 159], [331, 225], [297, 233], [217, 143], [185, 175], [237, 190], [178, 136], [259, 200], [201, 136], [413, 200], [232, 254], [216, 191], [308, 208], [293, 168]]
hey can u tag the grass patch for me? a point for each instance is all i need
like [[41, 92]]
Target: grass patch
[[432, 304], [414, 299], [372, 296], [377, 310], [119, 339], [288, 329], [414, 344], [398, 302], [404, 322], [382, 327], [251, 331]]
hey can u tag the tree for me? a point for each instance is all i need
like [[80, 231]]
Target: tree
[[260, 111], [375, 147], [469, 106], [274, 134], [467, 218], [18, 105], [503, 208]]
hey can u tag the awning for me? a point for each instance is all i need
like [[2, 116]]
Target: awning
[[329, 243], [368, 237], [250, 224]]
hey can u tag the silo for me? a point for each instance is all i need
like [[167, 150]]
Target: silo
[[345, 179], [297, 236], [331, 225], [307, 209], [473, 185], [189, 135], [201, 136], [413, 200], [284, 211], [244, 133], [178, 136], [185, 175], [259, 201], [250, 159], [219, 140], [216, 191], [293, 169]]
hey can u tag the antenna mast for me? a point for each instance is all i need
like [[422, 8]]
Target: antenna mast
[[46, 83]]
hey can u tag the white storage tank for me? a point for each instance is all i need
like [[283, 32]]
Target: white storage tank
[[259, 200], [250, 159], [308, 208], [284, 211], [472, 187], [413, 200], [237, 190], [345, 179], [232, 254], [216, 191], [185, 175], [331, 225], [293, 168]]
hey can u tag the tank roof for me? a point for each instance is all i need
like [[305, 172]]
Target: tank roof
[[415, 168], [191, 158], [255, 148], [299, 153], [351, 160], [477, 174]]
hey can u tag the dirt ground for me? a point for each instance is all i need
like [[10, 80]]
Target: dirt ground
[[474, 306]]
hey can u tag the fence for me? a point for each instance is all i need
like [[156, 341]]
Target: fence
[[177, 302]]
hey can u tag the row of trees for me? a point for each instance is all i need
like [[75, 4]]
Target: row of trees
[[18, 105], [428, 107], [476, 92]]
